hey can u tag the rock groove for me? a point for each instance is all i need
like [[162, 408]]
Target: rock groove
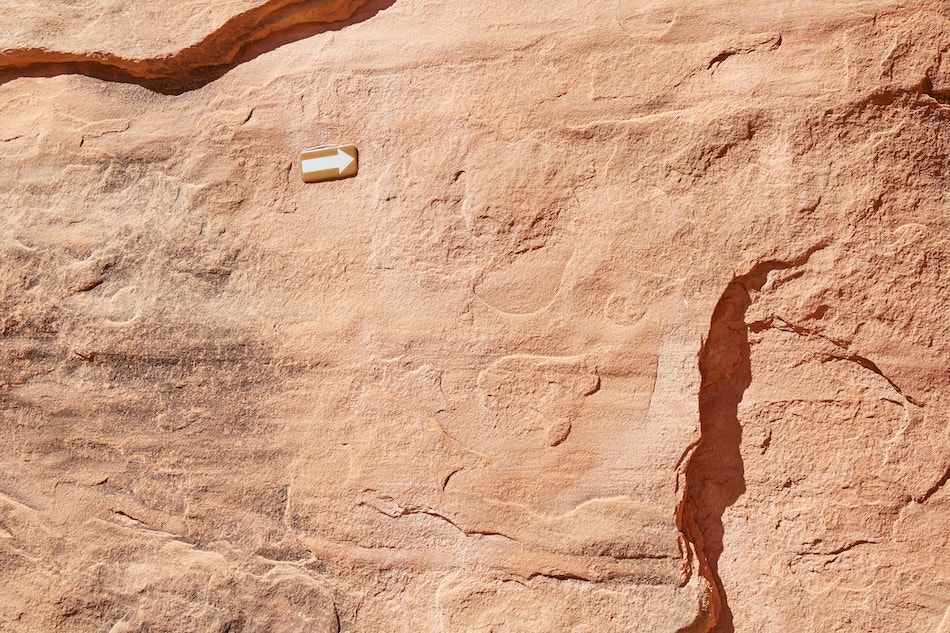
[[238, 40]]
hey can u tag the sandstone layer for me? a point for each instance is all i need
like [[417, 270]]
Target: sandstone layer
[[634, 318]]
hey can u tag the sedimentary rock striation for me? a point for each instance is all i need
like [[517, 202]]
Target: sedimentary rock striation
[[634, 318]]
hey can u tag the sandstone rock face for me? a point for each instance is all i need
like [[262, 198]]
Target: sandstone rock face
[[634, 319]]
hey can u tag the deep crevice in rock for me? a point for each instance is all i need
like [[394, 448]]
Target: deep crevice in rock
[[715, 476], [934, 489], [239, 40], [940, 96], [714, 472]]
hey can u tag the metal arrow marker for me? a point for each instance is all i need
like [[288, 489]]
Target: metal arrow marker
[[329, 163]]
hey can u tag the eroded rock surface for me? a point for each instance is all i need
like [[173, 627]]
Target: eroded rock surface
[[634, 318], [169, 49]]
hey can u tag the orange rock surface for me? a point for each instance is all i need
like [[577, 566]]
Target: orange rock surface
[[634, 319]]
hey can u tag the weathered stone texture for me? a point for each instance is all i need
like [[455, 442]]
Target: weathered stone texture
[[634, 319]]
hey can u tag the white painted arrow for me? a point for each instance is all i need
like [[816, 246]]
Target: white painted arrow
[[339, 161]]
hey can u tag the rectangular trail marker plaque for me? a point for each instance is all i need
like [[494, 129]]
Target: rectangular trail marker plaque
[[332, 162]]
